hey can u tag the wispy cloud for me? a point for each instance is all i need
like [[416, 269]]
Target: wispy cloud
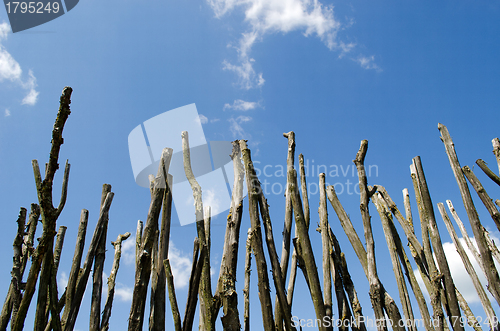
[[271, 16], [11, 70], [180, 262], [236, 128], [367, 62], [460, 277], [202, 119], [7, 112], [241, 105]]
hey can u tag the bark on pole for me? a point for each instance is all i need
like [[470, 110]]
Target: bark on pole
[[106, 314], [194, 283], [257, 246], [17, 261], [172, 297], [496, 150], [246, 286], [359, 249], [343, 280], [75, 266], [138, 240], [432, 274], [485, 302], [305, 252], [488, 171], [279, 280], [424, 312], [160, 300], [489, 265], [87, 265], [143, 268], [226, 286], [287, 226], [305, 202], [95, 304], [376, 295], [27, 251], [448, 285], [205, 288], [325, 238], [386, 218], [48, 212], [409, 216], [485, 198]]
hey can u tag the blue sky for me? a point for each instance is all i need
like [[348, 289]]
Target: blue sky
[[335, 73]]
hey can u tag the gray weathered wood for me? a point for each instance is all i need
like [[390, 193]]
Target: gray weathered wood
[[489, 265]]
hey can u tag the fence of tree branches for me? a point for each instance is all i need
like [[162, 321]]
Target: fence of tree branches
[[331, 286]]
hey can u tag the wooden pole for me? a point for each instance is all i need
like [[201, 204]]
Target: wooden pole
[[489, 265], [106, 314], [257, 246], [485, 302]]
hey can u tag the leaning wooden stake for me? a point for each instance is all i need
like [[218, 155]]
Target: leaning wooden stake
[[375, 288], [207, 306], [325, 238], [287, 226], [448, 285], [106, 314], [87, 265], [246, 287], [49, 215], [226, 286], [305, 253], [496, 150], [487, 171], [143, 268], [386, 218], [171, 296], [257, 246], [485, 302], [481, 192], [489, 265], [95, 305]]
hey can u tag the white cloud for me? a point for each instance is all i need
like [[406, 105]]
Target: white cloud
[[180, 264], [11, 70], [460, 276], [128, 251], [124, 293], [32, 96], [202, 119], [241, 105], [215, 120], [62, 282], [236, 128], [367, 62], [7, 112], [272, 16]]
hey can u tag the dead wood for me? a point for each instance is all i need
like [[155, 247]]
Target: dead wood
[[75, 266], [481, 192], [171, 296], [489, 265], [287, 226], [85, 272], [95, 303], [226, 289], [485, 302], [304, 249], [246, 287], [494, 177], [106, 314], [257, 246], [496, 150], [325, 238]]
